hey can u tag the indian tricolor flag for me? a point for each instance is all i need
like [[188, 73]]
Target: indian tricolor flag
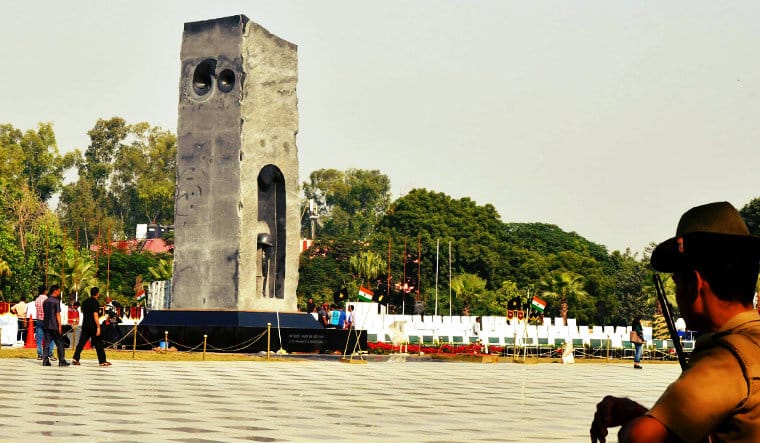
[[538, 304], [365, 294]]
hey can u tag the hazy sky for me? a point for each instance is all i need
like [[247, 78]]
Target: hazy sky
[[606, 118]]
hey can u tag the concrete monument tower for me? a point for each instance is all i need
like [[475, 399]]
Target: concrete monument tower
[[237, 198]]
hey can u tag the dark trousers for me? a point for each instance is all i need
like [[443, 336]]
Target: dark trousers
[[52, 336], [97, 343], [22, 329]]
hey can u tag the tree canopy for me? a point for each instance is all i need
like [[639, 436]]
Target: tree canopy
[[422, 244]]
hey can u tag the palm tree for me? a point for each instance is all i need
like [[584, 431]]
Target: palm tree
[[78, 274], [366, 266], [162, 270], [565, 287], [468, 287]]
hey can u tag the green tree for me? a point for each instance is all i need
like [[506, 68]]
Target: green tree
[[566, 288], [107, 138], [162, 270], [76, 275], [126, 177], [31, 158], [751, 215], [21, 207], [155, 184], [349, 203], [469, 288], [5, 271], [324, 269], [498, 300], [82, 213], [118, 272], [367, 266]]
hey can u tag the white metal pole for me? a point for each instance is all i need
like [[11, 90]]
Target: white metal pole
[[437, 245], [449, 279]]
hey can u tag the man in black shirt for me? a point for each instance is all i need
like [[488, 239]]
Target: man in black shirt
[[91, 329], [53, 328]]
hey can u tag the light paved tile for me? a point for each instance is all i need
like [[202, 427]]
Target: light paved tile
[[314, 401]]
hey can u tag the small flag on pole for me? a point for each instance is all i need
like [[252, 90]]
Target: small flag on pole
[[538, 304], [365, 294]]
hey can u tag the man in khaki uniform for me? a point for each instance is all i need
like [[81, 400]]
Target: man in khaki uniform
[[714, 262]]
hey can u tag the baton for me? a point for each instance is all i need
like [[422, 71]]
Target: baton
[[667, 313]]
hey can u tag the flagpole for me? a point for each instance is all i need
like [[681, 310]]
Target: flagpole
[[419, 265], [449, 278], [403, 285], [437, 245], [525, 328], [388, 286]]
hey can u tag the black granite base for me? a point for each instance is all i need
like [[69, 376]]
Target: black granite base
[[237, 331]]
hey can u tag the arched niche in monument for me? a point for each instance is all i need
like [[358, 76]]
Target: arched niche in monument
[[271, 240]]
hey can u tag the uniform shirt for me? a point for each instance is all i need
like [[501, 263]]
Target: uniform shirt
[[89, 307], [711, 394], [51, 307]]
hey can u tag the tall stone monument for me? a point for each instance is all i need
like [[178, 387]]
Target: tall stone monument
[[236, 223]]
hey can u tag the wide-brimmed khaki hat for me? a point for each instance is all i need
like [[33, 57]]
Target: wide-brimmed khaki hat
[[710, 233]]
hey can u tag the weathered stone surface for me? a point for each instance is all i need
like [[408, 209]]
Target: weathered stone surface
[[236, 210]]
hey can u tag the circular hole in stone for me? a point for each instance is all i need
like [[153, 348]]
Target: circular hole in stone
[[203, 77], [226, 80]]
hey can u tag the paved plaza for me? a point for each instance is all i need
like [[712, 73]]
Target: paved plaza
[[314, 400]]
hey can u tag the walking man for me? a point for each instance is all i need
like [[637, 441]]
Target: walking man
[[39, 320], [53, 327], [91, 329]]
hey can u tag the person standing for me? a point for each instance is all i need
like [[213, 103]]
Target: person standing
[[91, 329], [113, 310], [419, 308], [310, 306], [322, 314], [20, 310], [53, 327], [350, 320], [714, 264], [637, 338], [39, 320]]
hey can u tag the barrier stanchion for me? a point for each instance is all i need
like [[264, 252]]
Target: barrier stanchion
[[420, 345], [269, 338], [30, 341], [134, 341], [205, 336], [166, 340], [1, 338]]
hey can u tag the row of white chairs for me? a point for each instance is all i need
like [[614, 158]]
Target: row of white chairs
[[448, 328]]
